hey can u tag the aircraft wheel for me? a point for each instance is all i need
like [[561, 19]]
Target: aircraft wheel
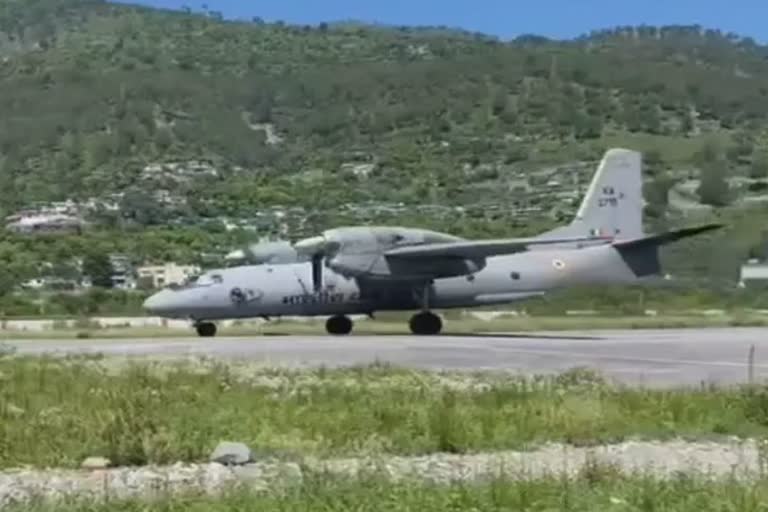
[[206, 329], [338, 325], [426, 323]]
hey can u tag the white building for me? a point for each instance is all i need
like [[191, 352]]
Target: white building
[[754, 272], [167, 274], [45, 223], [122, 272]]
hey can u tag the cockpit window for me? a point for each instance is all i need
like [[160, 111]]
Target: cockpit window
[[208, 279], [196, 281]]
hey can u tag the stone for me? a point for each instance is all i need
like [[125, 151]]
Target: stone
[[229, 453], [15, 411], [96, 463]]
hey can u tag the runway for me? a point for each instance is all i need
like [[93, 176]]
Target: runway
[[649, 357]]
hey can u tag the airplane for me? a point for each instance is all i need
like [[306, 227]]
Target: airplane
[[359, 270]]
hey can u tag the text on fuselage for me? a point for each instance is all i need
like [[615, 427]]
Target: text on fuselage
[[320, 298]]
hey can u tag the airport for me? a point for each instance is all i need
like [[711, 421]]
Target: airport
[[648, 358], [256, 260], [382, 268]]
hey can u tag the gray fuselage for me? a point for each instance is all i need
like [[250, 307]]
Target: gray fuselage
[[286, 290]]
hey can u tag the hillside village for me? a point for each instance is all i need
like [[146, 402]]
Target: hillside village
[[124, 140], [553, 192]]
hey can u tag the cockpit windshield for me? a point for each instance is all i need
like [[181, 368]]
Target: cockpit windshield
[[200, 280]]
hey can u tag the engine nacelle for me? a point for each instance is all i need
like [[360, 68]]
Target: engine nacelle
[[380, 267], [267, 252]]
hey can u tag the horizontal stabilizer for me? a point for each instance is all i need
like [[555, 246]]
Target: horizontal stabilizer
[[668, 237], [642, 254], [481, 248]]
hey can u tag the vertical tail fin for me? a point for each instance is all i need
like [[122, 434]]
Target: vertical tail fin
[[613, 204]]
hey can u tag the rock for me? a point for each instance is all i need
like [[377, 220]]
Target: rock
[[14, 410], [268, 475], [96, 463], [232, 454]]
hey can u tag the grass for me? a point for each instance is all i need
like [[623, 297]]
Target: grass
[[591, 491], [55, 413], [398, 324]]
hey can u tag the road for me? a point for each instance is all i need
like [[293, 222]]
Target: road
[[649, 357]]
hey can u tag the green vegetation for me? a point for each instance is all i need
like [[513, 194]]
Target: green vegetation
[[56, 413], [600, 489], [323, 117]]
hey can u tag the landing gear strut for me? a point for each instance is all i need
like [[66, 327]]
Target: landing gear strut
[[206, 329], [425, 323], [338, 325]]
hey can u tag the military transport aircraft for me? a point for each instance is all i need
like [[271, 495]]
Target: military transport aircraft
[[361, 270]]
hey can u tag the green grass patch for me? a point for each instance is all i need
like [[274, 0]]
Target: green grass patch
[[591, 491], [57, 412]]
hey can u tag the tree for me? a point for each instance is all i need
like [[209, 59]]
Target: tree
[[7, 282], [142, 208], [163, 139], [98, 267], [759, 169], [710, 152], [657, 195], [713, 189]]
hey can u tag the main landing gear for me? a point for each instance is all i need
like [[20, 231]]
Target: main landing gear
[[425, 323], [206, 329], [338, 325]]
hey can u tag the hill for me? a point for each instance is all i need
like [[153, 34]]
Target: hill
[[173, 125]]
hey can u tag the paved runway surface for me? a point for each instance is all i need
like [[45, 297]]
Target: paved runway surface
[[650, 357]]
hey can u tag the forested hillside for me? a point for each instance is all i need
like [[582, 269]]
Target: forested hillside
[[341, 119]]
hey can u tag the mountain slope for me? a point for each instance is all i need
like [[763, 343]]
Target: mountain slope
[[92, 95]]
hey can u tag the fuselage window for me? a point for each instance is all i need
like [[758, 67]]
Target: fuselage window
[[515, 276]]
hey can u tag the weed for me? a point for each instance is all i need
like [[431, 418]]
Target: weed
[[158, 413], [593, 490]]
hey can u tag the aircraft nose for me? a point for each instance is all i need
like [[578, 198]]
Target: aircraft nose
[[159, 303]]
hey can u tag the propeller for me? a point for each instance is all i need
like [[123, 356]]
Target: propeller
[[317, 271], [317, 247]]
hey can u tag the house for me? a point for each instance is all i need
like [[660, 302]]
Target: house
[[167, 274], [45, 223], [754, 272], [122, 272]]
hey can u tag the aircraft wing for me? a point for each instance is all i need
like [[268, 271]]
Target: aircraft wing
[[474, 249]]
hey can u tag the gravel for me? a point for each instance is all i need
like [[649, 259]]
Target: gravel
[[740, 459]]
